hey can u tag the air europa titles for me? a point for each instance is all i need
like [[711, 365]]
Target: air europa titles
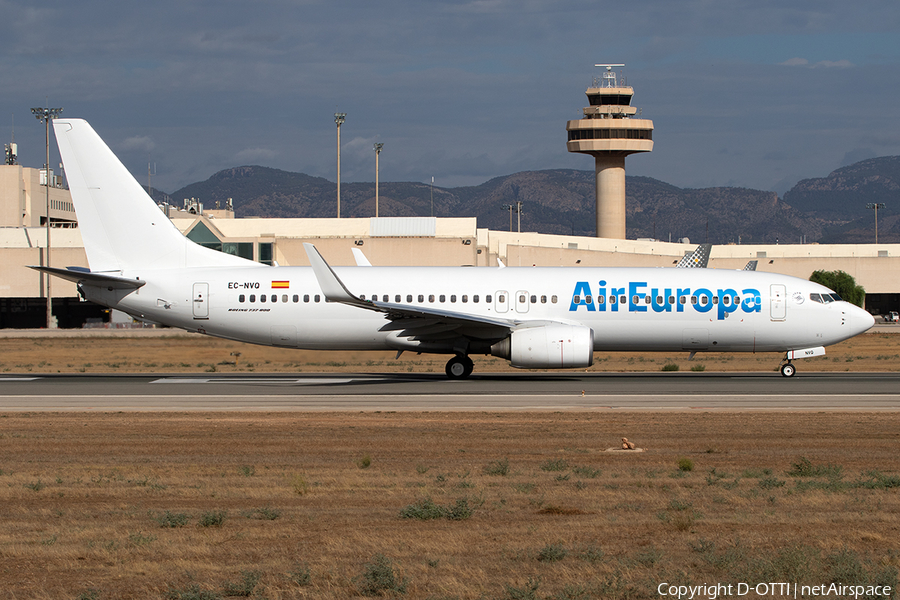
[[639, 297]]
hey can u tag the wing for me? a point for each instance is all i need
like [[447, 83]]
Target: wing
[[429, 327]]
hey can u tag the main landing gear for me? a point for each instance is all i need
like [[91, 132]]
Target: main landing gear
[[459, 367]]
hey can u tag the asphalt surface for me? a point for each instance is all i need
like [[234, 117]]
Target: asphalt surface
[[432, 392]]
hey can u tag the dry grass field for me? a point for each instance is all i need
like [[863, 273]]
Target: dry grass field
[[176, 352], [442, 506]]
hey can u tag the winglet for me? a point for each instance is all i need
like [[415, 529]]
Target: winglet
[[333, 288], [361, 260]]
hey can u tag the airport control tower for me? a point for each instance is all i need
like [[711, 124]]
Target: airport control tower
[[609, 132]]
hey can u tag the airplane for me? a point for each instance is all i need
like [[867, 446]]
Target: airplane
[[534, 317]]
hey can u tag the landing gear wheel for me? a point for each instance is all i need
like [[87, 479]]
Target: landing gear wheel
[[459, 367], [788, 370]]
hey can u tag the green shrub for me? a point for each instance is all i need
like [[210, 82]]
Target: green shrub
[[378, 576], [213, 518], [685, 464], [365, 462], [264, 514], [587, 472], [698, 368], [804, 468], [552, 553], [497, 467], [670, 367], [169, 519], [244, 588], [301, 575], [424, 510], [555, 465]]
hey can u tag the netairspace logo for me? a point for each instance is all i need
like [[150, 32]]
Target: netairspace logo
[[639, 297], [771, 590]]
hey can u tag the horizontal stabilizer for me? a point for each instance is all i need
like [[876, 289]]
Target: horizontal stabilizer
[[78, 275]]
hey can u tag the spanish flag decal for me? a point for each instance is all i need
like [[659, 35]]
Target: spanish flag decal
[[281, 285]]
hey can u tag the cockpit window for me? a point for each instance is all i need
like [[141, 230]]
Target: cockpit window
[[836, 297], [815, 297]]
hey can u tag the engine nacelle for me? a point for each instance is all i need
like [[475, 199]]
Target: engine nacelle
[[548, 347]]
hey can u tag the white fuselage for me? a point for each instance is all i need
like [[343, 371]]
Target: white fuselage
[[664, 309]]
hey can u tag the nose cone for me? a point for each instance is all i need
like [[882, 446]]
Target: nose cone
[[860, 320]]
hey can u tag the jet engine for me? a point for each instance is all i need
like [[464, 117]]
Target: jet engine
[[548, 347]]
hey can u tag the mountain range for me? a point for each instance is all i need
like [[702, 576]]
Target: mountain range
[[829, 209]]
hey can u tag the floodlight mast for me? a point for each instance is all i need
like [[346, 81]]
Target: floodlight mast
[[339, 120], [45, 115], [378, 147], [876, 206]]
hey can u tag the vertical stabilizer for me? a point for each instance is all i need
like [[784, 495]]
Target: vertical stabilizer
[[120, 224]]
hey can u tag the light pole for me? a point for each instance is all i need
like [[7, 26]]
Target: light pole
[[517, 207], [46, 115], [339, 120], [876, 206], [378, 148]]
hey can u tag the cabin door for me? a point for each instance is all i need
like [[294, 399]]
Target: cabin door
[[201, 301], [777, 301]]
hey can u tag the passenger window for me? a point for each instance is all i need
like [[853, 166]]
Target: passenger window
[[522, 299], [576, 299], [442, 298], [241, 298], [612, 299], [623, 299], [431, 297], [452, 297], [252, 297], [421, 298], [588, 300], [284, 298], [693, 299], [306, 297], [671, 299], [600, 299], [501, 298], [737, 300], [397, 298], [635, 299], [726, 300], [487, 299], [715, 299], [659, 300], [296, 298], [409, 297], [262, 297], [475, 298], [533, 299], [553, 299], [544, 300], [464, 298], [646, 299], [316, 297], [683, 300]]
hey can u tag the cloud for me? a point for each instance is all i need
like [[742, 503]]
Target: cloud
[[255, 155], [138, 143], [822, 64]]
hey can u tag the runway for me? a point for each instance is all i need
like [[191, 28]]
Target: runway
[[431, 392]]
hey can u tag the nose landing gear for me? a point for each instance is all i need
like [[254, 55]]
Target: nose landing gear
[[788, 370], [459, 367]]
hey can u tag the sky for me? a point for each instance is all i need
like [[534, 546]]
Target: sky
[[757, 94]]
